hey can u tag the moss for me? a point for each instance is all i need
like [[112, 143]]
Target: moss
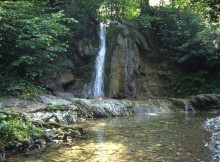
[[111, 37], [94, 42]]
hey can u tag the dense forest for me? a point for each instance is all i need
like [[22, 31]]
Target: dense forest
[[35, 34]]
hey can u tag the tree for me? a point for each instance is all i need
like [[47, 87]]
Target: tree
[[209, 8], [30, 40], [185, 36], [116, 9]]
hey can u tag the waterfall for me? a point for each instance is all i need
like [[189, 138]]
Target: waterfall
[[98, 84], [188, 107]]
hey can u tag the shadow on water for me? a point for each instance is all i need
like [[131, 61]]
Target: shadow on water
[[144, 137]]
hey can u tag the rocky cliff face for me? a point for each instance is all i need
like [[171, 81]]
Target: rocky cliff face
[[136, 69], [133, 67]]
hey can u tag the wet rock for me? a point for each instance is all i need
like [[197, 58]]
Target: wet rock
[[110, 107], [47, 139], [198, 103], [58, 137], [50, 99], [205, 101], [26, 145], [2, 155], [153, 107], [213, 126], [71, 117], [81, 120], [19, 147], [75, 134], [86, 49], [65, 137], [9, 147], [101, 108], [137, 70], [48, 132], [38, 144]]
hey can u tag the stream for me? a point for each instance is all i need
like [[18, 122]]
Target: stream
[[171, 137]]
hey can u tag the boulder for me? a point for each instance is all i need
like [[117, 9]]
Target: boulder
[[59, 83], [65, 78], [205, 101]]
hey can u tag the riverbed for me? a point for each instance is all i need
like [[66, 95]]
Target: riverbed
[[145, 137]]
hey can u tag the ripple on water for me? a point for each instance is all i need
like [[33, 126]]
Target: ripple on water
[[167, 137]]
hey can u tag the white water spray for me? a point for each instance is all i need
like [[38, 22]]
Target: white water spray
[[98, 84]]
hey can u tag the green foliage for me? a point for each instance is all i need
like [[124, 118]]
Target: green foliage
[[195, 83], [85, 12], [14, 86], [16, 129], [30, 39], [117, 9], [54, 107], [146, 20], [31, 44], [183, 36], [190, 41], [208, 8]]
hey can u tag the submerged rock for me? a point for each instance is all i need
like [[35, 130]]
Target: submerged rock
[[213, 126], [2, 156]]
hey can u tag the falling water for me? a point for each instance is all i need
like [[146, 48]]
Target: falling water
[[98, 85]]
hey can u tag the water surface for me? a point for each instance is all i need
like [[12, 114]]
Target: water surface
[[143, 138]]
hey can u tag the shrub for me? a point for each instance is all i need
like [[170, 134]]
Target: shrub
[[17, 128]]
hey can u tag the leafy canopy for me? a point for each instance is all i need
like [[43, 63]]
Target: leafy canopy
[[190, 39], [31, 38]]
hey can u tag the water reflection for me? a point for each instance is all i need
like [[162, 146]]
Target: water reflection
[[99, 136], [165, 138]]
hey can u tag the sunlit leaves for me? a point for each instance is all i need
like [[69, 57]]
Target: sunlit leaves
[[16, 129], [184, 36], [208, 8], [116, 9], [31, 38]]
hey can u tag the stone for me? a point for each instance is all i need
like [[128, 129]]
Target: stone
[[137, 70], [205, 101], [65, 78], [213, 126], [55, 87], [15, 88], [2, 156], [51, 100], [48, 132], [75, 134], [85, 48]]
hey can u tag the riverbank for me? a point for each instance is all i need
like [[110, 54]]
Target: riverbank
[[212, 125], [142, 137], [58, 117], [54, 118]]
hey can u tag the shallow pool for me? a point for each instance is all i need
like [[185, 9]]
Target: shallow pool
[[175, 137]]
